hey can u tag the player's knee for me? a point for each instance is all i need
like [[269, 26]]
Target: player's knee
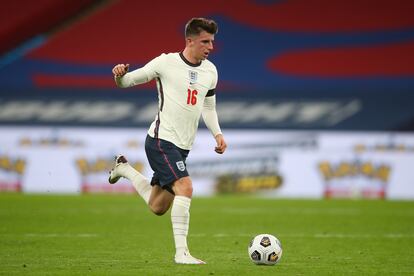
[[184, 187], [187, 189], [158, 210]]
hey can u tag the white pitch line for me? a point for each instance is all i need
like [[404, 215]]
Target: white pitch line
[[307, 211], [227, 235], [316, 236], [57, 235]]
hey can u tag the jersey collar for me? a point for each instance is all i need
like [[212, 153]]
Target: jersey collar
[[187, 62]]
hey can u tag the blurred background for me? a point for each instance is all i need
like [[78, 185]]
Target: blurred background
[[315, 98]]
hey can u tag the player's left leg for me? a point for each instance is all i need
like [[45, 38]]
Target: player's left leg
[[180, 218]]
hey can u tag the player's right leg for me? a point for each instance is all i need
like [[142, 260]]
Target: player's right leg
[[160, 200], [123, 169]]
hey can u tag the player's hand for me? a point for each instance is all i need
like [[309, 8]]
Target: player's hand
[[120, 69], [221, 144]]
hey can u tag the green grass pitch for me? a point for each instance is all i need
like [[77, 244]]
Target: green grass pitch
[[117, 235]]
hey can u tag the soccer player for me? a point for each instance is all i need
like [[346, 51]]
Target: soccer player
[[186, 83]]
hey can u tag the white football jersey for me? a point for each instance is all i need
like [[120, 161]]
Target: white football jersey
[[182, 88]]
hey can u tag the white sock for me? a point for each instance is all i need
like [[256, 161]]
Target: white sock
[[180, 218], [140, 183]]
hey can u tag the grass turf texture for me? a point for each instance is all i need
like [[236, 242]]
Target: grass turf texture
[[102, 234]]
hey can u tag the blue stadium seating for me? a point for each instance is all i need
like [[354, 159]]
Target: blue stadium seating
[[335, 65]]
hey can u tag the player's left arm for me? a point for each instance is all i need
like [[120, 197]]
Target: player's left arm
[[210, 118]]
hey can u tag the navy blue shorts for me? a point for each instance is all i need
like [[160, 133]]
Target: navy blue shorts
[[167, 161]]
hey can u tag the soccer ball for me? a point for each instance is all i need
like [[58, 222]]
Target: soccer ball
[[265, 249]]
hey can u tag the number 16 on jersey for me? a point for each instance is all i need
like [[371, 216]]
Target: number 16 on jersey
[[192, 96]]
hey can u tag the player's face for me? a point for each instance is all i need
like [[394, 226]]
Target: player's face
[[201, 45]]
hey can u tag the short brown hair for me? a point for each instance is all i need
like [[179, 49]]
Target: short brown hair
[[196, 25]]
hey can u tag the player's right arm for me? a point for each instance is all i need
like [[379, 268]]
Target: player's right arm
[[124, 79]]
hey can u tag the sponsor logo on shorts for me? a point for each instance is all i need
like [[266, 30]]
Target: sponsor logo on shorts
[[180, 165]]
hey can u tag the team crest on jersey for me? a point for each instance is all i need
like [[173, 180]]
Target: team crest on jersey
[[193, 76], [180, 165]]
